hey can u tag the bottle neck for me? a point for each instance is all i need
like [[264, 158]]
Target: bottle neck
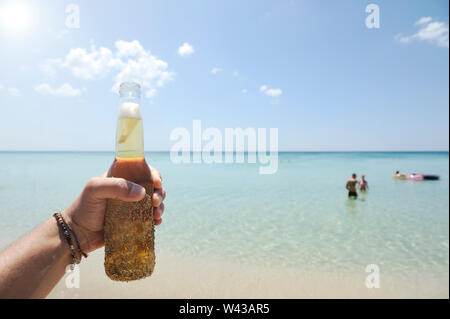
[[130, 133]]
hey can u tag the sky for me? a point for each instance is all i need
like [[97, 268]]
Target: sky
[[312, 69]]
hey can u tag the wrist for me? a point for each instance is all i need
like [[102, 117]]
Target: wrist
[[88, 240], [80, 239], [60, 242]]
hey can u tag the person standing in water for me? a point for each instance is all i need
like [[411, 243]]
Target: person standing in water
[[397, 175], [363, 185], [351, 186]]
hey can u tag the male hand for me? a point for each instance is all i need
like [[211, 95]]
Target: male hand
[[86, 214]]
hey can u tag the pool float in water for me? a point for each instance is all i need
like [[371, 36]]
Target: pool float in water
[[414, 177], [421, 177], [431, 177]]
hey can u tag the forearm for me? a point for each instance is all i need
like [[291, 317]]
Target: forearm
[[34, 264]]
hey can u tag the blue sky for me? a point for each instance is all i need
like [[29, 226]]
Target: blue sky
[[330, 82]]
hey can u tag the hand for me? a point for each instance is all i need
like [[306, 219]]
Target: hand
[[86, 214]]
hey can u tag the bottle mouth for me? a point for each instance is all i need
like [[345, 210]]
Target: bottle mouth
[[129, 88], [130, 85]]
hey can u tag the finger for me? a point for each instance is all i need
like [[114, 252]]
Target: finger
[[115, 188], [158, 212], [158, 197], [156, 177], [156, 171], [158, 222]]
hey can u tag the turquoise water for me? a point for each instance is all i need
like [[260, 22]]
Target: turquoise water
[[299, 217]]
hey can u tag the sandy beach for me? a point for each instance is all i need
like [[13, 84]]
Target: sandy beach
[[176, 277]]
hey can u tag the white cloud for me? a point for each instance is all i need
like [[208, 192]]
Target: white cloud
[[216, 70], [186, 49], [274, 92], [128, 62], [89, 65], [431, 31], [244, 91], [271, 92], [235, 73], [423, 20], [11, 91], [65, 90], [132, 48]]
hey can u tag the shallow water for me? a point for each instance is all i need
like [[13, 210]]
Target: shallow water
[[299, 218]]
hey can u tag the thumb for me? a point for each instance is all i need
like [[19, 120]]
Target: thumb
[[114, 188]]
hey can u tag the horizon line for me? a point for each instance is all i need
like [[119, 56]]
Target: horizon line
[[284, 151]]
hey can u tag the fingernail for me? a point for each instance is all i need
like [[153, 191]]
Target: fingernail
[[137, 190]]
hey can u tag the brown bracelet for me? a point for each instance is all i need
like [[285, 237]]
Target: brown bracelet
[[67, 231], [80, 251]]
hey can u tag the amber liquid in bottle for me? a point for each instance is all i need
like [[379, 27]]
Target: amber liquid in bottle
[[129, 237]]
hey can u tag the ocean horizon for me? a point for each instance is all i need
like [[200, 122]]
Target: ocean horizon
[[147, 152]]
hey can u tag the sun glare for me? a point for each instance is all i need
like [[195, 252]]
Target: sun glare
[[15, 16]]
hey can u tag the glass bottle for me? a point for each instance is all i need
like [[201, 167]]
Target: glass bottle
[[129, 233]]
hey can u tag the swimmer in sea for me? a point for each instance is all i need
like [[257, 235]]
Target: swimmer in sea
[[398, 175], [351, 186], [363, 185]]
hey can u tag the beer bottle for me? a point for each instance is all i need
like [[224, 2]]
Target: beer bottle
[[129, 227]]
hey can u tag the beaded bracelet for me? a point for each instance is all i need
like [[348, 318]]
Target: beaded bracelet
[[81, 252], [67, 230]]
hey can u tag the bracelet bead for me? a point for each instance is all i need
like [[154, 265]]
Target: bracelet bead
[[68, 232]]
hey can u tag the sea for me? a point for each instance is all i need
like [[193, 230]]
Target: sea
[[297, 218]]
